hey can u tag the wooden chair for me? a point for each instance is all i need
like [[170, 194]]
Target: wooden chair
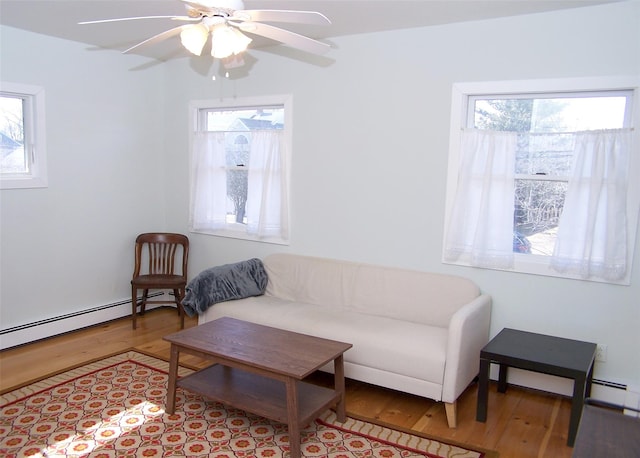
[[161, 254]]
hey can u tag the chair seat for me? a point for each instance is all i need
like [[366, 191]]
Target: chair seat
[[158, 281]]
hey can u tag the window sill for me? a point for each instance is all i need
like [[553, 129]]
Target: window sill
[[532, 264], [241, 236], [23, 182]]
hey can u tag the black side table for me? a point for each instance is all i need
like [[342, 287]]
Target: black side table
[[540, 353]]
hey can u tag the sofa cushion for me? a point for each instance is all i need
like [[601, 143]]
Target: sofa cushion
[[375, 290], [402, 347]]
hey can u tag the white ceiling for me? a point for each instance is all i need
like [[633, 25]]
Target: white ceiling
[[59, 18]]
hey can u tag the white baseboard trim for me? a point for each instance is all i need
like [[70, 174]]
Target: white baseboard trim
[[31, 332]]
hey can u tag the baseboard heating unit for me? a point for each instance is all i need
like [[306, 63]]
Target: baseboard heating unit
[[41, 329], [601, 390]]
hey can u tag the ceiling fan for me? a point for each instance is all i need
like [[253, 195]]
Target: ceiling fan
[[227, 22]]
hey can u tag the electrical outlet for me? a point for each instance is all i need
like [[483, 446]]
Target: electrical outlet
[[601, 353]]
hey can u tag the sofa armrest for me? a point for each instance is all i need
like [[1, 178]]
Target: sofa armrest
[[468, 334]]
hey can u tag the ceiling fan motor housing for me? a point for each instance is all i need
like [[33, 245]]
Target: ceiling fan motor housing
[[208, 8]]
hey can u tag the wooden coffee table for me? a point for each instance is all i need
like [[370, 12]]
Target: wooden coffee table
[[260, 369]]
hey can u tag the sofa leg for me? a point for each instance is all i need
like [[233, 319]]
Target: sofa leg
[[450, 408]]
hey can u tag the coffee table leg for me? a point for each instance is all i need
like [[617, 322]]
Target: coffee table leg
[[339, 386], [173, 378], [294, 421], [483, 390]]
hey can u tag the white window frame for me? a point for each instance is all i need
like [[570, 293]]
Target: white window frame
[[239, 103], [463, 92], [34, 141]]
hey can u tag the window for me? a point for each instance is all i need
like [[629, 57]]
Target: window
[[240, 173], [523, 159], [543, 160], [22, 130]]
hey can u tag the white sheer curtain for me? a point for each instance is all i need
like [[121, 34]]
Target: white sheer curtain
[[480, 229], [267, 200], [592, 231], [208, 182], [267, 209]]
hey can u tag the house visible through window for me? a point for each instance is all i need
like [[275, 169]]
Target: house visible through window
[[22, 148], [544, 155], [543, 175], [240, 175]]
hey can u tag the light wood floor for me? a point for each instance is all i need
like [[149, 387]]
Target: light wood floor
[[521, 423]]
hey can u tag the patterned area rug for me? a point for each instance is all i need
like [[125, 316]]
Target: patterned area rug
[[115, 408]]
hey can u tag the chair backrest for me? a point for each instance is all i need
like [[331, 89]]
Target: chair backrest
[[161, 252]]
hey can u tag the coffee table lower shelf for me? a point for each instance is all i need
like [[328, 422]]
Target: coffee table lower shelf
[[259, 395]]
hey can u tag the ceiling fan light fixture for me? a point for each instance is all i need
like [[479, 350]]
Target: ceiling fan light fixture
[[226, 20], [194, 37], [241, 41], [226, 41]]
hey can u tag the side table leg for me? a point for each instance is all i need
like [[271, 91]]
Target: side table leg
[[587, 391], [502, 378], [173, 378], [293, 418], [483, 390], [579, 387], [339, 386]]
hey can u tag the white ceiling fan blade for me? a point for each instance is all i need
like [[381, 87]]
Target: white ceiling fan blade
[[284, 36], [177, 18], [299, 17], [157, 38]]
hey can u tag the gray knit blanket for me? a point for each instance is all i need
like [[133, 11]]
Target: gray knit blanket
[[224, 283]]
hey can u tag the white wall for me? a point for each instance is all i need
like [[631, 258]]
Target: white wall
[[371, 130], [69, 247], [371, 134]]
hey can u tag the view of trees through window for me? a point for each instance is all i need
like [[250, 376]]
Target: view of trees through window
[[238, 125], [544, 152], [12, 157]]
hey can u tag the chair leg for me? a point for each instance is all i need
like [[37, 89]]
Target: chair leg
[[143, 304], [177, 293], [134, 305]]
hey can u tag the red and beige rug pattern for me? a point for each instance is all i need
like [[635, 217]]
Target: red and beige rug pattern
[[115, 408]]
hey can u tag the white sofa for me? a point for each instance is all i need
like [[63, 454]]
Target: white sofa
[[411, 331]]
